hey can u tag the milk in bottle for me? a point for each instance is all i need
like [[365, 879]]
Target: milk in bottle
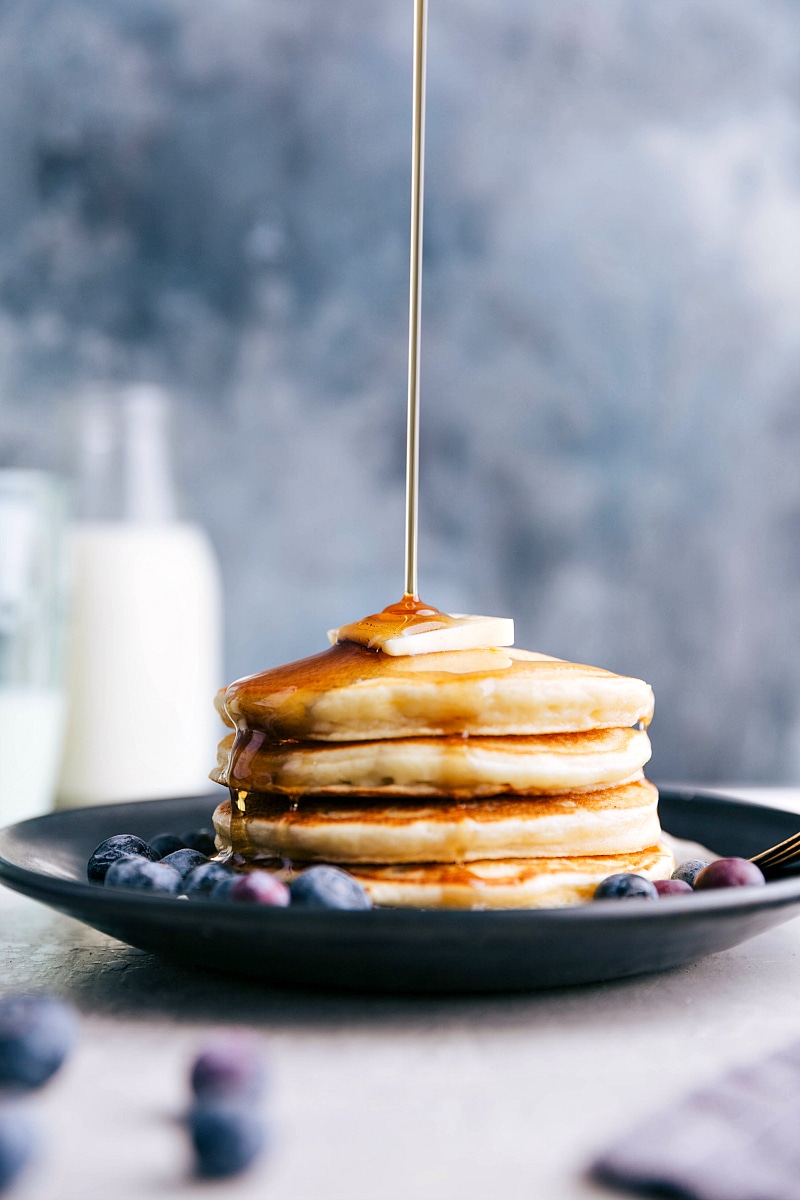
[[144, 654]]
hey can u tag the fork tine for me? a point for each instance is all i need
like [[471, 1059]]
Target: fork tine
[[788, 851], [768, 856], [781, 853], [787, 844], [774, 860], [771, 864], [786, 860]]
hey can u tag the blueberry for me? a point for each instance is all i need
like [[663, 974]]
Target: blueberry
[[672, 887], [327, 887], [184, 861], [223, 887], [256, 887], [230, 1067], [200, 883], [139, 875], [227, 1139], [688, 871], [625, 887], [165, 843], [121, 845], [36, 1035], [729, 872], [202, 840], [18, 1143]]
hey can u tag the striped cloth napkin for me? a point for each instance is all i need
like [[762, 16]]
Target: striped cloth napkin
[[738, 1139]]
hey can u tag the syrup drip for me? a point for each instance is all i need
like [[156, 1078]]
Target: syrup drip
[[394, 621], [239, 838]]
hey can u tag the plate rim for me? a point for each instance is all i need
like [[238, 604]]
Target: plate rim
[[40, 884]]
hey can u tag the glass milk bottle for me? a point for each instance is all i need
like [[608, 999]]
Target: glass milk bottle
[[32, 603], [144, 651]]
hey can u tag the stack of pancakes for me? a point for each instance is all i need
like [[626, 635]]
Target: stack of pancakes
[[493, 778]]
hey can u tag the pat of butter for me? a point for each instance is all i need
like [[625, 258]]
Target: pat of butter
[[462, 632]]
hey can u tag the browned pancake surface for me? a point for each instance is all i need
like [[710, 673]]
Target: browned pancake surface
[[622, 818], [316, 810], [452, 766], [349, 693], [513, 883]]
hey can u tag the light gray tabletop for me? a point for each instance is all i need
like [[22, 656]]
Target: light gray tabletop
[[376, 1098]]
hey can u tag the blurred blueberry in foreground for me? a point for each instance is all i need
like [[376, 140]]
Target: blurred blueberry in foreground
[[202, 840], [19, 1142], [184, 861], [165, 843], [200, 883], [140, 875], [227, 1139], [230, 1067], [121, 845], [688, 871], [327, 887], [729, 872], [672, 887], [36, 1035], [625, 887]]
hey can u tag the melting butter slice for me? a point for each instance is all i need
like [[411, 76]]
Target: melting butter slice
[[461, 632]]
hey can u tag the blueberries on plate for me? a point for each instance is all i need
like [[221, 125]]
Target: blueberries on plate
[[229, 1068], [729, 872], [184, 860], [327, 887], [36, 1035], [625, 887], [222, 888], [255, 887], [202, 840], [165, 843], [18, 1144], [141, 875], [672, 887], [227, 1139], [688, 871], [121, 845], [200, 883], [180, 864]]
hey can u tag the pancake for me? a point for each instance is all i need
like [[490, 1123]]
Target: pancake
[[452, 766], [349, 693], [610, 820], [508, 883]]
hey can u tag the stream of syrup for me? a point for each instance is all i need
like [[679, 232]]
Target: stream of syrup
[[415, 291], [410, 610]]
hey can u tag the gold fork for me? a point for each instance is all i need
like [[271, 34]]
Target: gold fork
[[783, 855]]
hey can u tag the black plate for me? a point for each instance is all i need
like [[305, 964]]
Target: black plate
[[393, 950]]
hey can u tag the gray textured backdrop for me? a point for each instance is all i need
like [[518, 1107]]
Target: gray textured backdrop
[[216, 196]]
